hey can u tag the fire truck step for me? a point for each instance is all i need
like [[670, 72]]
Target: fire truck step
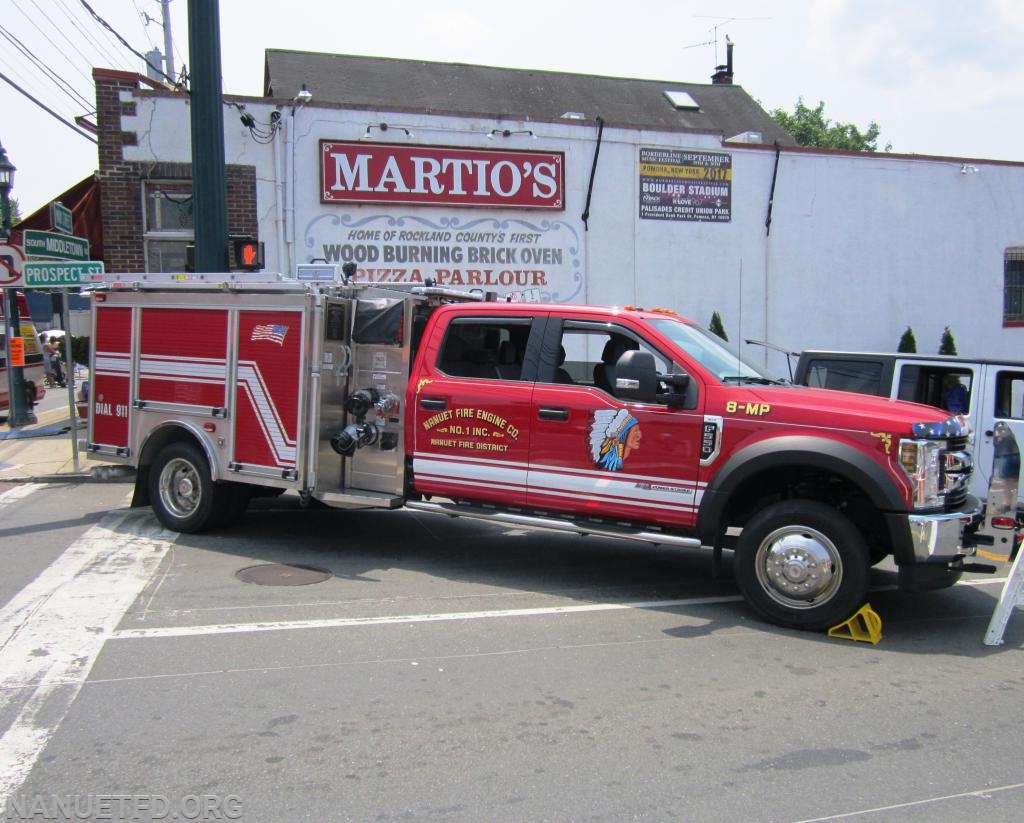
[[554, 524]]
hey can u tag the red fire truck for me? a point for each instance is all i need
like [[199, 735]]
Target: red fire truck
[[602, 421]]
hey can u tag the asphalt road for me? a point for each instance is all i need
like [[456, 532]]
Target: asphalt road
[[448, 670]]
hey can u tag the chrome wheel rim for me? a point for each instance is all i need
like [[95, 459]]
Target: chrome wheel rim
[[799, 567], [180, 488]]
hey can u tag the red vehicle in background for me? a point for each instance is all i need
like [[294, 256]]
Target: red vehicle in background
[[34, 372]]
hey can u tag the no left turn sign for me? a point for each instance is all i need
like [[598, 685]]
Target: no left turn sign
[[12, 260]]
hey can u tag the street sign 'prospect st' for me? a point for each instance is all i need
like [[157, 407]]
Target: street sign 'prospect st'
[[59, 275], [53, 244]]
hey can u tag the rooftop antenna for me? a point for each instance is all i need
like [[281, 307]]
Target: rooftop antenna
[[722, 21]]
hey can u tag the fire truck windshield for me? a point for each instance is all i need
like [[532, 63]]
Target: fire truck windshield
[[719, 357]]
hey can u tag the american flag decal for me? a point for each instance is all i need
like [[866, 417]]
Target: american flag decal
[[273, 332]]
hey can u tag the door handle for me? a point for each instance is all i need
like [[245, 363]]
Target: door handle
[[553, 414], [433, 404]]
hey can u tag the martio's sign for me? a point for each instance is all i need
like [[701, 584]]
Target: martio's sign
[[379, 173]]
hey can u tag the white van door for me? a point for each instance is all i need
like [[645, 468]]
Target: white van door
[[1001, 399], [957, 388]]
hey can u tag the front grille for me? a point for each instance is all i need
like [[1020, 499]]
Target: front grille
[[958, 444], [956, 466]]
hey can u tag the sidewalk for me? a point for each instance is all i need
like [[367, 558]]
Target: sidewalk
[[41, 453]]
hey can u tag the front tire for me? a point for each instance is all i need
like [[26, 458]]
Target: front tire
[[802, 565], [181, 491]]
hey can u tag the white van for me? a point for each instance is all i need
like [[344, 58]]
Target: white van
[[985, 391]]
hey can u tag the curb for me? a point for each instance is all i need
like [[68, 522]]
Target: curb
[[99, 474]]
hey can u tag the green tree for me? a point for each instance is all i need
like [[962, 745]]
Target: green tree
[[717, 327], [948, 344], [908, 343], [15, 210], [810, 127], [80, 350]]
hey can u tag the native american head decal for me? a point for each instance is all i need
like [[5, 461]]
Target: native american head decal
[[613, 435]]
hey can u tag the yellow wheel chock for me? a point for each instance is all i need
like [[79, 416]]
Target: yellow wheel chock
[[865, 625]]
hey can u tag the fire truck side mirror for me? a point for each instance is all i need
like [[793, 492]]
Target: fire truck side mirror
[[636, 377], [678, 385]]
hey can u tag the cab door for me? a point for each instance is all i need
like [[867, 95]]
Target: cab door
[[471, 410], [593, 453]]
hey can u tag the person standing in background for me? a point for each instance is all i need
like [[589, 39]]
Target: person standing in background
[[47, 349]]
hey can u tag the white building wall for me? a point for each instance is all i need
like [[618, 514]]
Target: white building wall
[[860, 246]]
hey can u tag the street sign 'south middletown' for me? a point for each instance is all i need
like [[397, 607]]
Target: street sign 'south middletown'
[[53, 244]]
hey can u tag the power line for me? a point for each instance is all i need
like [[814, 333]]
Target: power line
[[60, 81], [146, 20], [100, 47], [47, 109], [124, 42], [34, 83], [30, 81], [59, 51]]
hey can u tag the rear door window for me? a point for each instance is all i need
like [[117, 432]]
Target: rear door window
[[485, 348]]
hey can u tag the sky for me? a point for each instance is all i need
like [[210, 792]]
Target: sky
[[939, 77]]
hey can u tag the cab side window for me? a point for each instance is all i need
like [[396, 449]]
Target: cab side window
[[484, 348], [587, 354]]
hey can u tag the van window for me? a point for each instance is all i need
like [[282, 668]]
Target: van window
[[1009, 395], [942, 387], [860, 376]]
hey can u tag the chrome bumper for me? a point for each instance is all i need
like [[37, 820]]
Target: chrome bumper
[[938, 538]]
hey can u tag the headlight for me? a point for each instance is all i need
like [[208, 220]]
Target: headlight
[[920, 460], [938, 469]]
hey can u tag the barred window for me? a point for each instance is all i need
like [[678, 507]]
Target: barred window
[[1013, 285], [168, 229]]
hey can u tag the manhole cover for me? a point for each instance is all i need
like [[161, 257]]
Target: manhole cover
[[279, 574]]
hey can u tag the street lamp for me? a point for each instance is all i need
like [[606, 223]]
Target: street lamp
[[7, 170], [17, 413]]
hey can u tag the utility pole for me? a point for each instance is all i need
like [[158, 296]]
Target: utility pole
[[165, 8], [209, 188], [17, 400]]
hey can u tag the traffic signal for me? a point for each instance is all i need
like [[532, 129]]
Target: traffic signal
[[248, 254]]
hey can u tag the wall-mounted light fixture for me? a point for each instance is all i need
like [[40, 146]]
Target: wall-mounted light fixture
[[303, 97], [383, 127], [509, 133], [967, 168]]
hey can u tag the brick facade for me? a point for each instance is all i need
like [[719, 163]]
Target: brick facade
[[121, 181]]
